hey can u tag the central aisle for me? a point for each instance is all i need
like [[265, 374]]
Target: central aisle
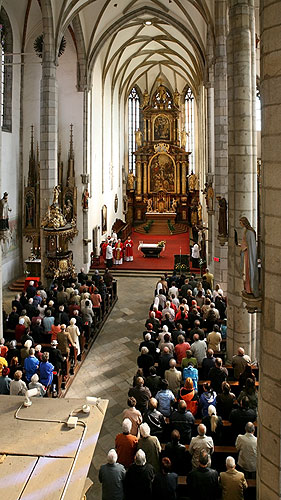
[[109, 367]]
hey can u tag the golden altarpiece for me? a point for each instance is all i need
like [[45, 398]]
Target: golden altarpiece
[[159, 190]]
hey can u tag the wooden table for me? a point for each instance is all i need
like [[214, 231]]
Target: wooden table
[[42, 456]]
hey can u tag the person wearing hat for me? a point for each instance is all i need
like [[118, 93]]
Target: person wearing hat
[[35, 384], [55, 356], [5, 381]]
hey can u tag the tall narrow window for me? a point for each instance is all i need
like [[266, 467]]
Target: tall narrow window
[[134, 124], [189, 127], [6, 71]]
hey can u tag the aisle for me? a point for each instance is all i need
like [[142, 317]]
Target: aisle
[[109, 367]]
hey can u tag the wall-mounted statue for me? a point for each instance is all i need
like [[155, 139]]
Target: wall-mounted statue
[[183, 138], [209, 196], [85, 199], [222, 224], [4, 212], [249, 263]]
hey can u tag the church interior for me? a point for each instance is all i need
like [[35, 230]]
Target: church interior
[[156, 120]]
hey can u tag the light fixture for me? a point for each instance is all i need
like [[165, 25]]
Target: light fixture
[[28, 395], [148, 23]]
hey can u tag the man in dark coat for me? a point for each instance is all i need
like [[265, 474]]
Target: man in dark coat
[[202, 482]]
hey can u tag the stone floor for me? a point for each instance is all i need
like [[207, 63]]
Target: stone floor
[[109, 367]]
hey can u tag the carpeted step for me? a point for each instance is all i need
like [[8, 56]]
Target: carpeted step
[[162, 229]]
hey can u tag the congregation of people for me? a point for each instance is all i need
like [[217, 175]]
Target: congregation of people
[[46, 331], [186, 409]]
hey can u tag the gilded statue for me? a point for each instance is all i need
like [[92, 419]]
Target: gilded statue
[[177, 99], [183, 138], [138, 136], [209, 195], [130, 181], [193, 182], [174, 205], [145, 99], [57, 191], [149, 207]]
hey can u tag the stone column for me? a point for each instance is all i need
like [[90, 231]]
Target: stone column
[[220, 183], [48, 139], [85, 176], [269, 425], [241, 325]]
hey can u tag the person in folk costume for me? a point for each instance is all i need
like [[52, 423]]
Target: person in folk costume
[[128, 253], [118, 253]]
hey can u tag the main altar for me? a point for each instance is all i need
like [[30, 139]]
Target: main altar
[[162, 191]]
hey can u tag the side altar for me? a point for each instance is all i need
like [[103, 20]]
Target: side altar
[[162, 188]]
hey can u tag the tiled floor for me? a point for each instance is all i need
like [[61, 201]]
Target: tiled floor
[[109, 368]]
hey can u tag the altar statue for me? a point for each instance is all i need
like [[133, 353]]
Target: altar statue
[[174, 205], [57, 191], [138, 136], [149, 205], [249, 263], [183, 138], [130, 181], [193, 182]]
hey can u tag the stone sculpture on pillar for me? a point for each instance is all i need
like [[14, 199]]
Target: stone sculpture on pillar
[[4, 213], [222, 222], [249, 261]]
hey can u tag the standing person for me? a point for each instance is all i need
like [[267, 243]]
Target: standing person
[[165, 482], [150, 445], [128, 251], [195, 255], [165, 399], [139, 477], [109, 255], [111, 476], [126, 444], [202, 482], [73, 330], [134, 415], [118, 253], [46, 370], [246, 444], [198, 443], [233, 483]]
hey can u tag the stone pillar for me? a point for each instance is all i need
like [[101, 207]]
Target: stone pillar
[[48, 140], [241, 325], [269, 425], [220, 183], [85, 175]]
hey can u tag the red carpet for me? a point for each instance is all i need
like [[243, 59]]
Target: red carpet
[[174, 245]]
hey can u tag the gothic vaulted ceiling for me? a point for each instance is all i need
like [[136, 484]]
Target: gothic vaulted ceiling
[[137, 41]]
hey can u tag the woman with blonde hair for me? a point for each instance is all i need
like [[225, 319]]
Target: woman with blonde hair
[[213, 424]]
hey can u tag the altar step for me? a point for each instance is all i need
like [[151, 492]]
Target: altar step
[[18, 285], [161, 228], [135, 273]]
